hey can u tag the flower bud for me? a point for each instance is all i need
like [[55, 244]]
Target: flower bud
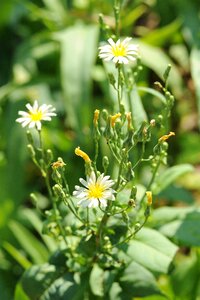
[[29, 137], [57, 189], [31, 150], [104, 114], [133, 192], [48, 156], [105, 163], [82, 154]]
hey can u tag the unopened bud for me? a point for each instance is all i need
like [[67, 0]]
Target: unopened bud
[[48, 156], [96, 117], [58, 191], [31, 150], [34, 198], [29, 137], [105, 163], [104, 114], [133, 192]]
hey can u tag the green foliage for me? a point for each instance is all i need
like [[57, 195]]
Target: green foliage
[[49, 53], [151, 250]]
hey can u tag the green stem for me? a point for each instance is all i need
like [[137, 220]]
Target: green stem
[[102, 225], [119, 87], [117, 16], [96, 153], [132, 234], [141, 157]]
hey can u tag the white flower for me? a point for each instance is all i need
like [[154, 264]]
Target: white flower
[[96, 191], [119, 52], [35, 115]]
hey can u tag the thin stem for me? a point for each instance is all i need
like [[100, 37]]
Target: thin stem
[[96, 153], [102, 225], [117, 16], [119, 87], [132, 234], [120, 171], [113, 152], [141, 157]]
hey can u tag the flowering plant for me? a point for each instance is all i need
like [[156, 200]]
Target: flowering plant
[[103, 249]]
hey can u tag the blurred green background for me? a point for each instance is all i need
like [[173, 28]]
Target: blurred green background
[[49, 52]]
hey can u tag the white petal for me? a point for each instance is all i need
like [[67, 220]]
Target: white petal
[[83, 182], [103, 202], [111, 42]]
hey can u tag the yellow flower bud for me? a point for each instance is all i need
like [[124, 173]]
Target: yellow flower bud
[[166, 136], [96, 117], [149, 197], [82, 154], [129, 119], [114, 118], [58, 164]]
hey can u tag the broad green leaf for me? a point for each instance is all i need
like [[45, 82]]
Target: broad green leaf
[[175, 193], [151, 250], [186, 230], [33, 219], [19, 293], [166, 214], [169, 176], [195, 69], [133, 15], [97, 276], [17, 255], [186, 278], [159, 36], [138, 113], [78, 53], [153, 92], [137, 281], [157, 60], [47, 282], [34, 248]]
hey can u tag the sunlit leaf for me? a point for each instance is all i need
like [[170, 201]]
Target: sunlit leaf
[[169, 176]]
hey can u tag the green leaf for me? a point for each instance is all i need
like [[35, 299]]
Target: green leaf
[[186, 230], [97, 276], [152, 92], [137, 281], [159, 36], [186, 278], [166, 214], [19, 293], [17, 255], [32, 217], [138, 113], [169, 176], [151, 250], [29, 242], [47, 282], [78, 53], [195, 70], [157, 60]]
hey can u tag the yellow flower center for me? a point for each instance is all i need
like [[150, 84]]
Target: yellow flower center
[[37, 116], [95, 191], [119, 50]]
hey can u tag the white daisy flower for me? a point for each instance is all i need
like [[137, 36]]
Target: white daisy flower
[[96, 191], [35, 115], [119, 52]]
